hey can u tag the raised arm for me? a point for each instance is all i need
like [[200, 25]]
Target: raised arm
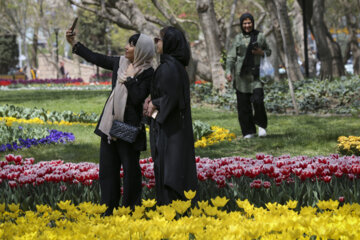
[[98, 59]]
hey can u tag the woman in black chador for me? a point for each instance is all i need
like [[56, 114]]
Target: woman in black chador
[[171, 133], [131, 80]]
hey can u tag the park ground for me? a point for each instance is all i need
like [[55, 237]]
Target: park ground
[[287, 134]]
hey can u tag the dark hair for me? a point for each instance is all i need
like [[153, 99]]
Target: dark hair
[[134, 38]]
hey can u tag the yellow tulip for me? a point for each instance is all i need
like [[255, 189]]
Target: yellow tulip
[[219, 202], [190, 194], [148, 203]]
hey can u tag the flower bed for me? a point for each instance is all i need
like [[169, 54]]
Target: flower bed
[[5, 82], [107, 83], [206, 135], [218, 135], [349, 145], [46, 115], [261, 180], [10, 120], [15, 138], [181, 221]]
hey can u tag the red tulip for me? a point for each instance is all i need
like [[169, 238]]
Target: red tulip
[[327, 178], [12, 184], [10, 157], [266, 184]]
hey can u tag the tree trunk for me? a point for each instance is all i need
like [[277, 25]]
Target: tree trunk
[[352, 45], [328, 50], [34, 51], [274, 58], [271, 8], [291, 63], [210, 28], [298, 30], [229, 25]]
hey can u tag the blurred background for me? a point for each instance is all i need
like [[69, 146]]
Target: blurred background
[[33, 45]]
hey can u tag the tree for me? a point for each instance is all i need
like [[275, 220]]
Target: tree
[[329, 51], [8, 52], [280, 16], [26, 18], [352, 46], [14, 16], [210, 28], [92, 32]]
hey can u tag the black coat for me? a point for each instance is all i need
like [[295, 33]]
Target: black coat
[[171, 133], [138, 89]]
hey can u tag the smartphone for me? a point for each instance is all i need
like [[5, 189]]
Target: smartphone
[[74, 24]]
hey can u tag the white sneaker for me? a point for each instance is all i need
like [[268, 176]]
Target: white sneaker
[[262, 132], [249, 136]]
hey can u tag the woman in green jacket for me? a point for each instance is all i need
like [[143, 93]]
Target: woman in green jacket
[[243, 67]]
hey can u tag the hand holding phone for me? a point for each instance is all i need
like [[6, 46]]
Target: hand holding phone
[[70, 34], [74, 24]]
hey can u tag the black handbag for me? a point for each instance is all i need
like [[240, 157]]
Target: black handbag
[[123, 131]]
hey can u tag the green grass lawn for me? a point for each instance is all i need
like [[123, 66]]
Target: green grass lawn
[[294, 135]]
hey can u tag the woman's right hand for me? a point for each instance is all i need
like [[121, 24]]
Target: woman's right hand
[[70, 37], [146, 105]]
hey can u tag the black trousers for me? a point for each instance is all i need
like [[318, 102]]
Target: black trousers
[[251, 110], [112, 156]]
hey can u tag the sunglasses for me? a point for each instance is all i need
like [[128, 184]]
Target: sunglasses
[[156, 40]]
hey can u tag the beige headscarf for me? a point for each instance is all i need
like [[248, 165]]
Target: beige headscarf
[[143, 55]]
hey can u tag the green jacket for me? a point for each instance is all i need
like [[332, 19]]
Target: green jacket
[[235, 58]]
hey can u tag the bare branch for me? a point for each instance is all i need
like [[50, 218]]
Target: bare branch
[[155, 20], [261, 19], [258, 5], [109, 14], [169, 16], [269, 31], [229, 24]]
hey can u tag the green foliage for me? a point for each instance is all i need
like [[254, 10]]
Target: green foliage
[[8, 52], [201, 129], [339, 96], [49, 194], [30, 113], [92, 31], [307, 192], [12, 134]]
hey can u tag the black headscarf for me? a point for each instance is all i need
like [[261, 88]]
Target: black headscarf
[[175, 45], [248, 63]]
